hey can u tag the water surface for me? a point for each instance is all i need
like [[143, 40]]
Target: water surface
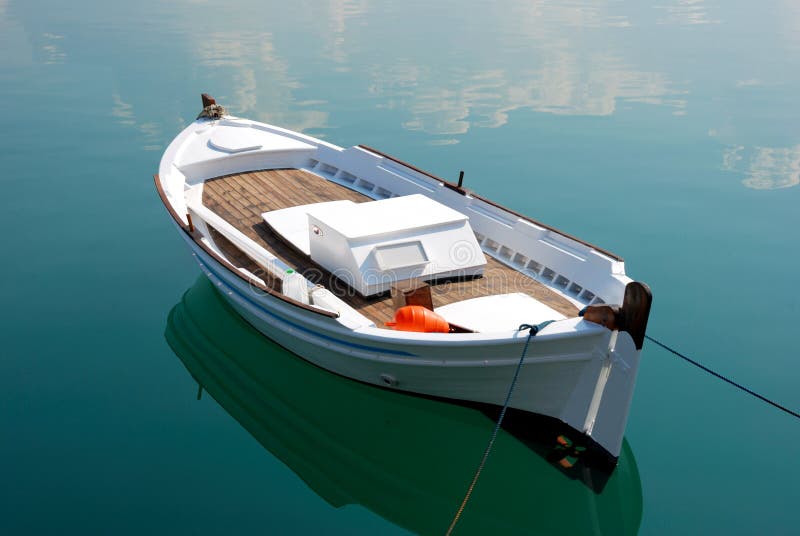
[[665, 132]]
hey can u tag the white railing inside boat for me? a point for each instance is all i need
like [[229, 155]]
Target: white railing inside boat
[[261, 256], [322, 298]]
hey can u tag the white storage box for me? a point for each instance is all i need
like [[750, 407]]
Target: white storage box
[[500, 312], [372, 245]]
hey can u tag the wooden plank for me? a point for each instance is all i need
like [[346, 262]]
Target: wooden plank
[[241, 198], [259, 188]]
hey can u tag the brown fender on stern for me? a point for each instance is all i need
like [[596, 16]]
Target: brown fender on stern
[[635, 311], [631, 317]]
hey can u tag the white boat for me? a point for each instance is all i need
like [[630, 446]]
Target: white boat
[[319, 247]]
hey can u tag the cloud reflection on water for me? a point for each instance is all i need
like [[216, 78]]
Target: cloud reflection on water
[[124, 114], [569, 85], [539, 64], [765, 168], [262, 86], [53, 53], [341, 11], [543, 68], [686, 12]]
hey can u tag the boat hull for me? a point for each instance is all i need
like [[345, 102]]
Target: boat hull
[[405, 459], [585, 379]]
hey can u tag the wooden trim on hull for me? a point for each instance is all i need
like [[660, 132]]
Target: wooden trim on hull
[[464, 191], [196, 235]]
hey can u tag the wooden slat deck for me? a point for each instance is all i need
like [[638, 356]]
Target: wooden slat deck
[[241, 199]]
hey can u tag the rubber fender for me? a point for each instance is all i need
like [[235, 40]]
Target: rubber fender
[[418, 318]]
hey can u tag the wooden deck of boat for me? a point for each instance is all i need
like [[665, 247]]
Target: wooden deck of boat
[[241, 199]]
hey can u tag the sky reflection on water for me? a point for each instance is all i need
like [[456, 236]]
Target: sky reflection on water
[[666, 132], [442, 70]]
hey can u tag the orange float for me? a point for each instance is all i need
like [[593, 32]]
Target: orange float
[[418, 318]]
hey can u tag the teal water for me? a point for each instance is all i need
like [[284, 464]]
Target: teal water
[[666, 132]]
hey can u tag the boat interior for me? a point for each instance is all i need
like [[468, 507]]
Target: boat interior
[[241, 200]]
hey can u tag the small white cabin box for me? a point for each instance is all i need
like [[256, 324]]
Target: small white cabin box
[[370, 246]]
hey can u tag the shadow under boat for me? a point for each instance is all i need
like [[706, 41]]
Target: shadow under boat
[[407, 458]]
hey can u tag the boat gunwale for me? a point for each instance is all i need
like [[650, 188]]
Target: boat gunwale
[[463, 191]]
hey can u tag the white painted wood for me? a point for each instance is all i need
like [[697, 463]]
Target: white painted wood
[[355, 242], [261, 256], [292, 223], [498, 313]]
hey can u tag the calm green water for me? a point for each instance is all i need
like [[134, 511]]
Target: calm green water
[[667, 133]]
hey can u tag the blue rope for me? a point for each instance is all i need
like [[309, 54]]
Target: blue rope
[[723, 378], [532, 333], [533, 330]]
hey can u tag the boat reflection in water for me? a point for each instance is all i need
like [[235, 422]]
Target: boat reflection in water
[[408, 459]]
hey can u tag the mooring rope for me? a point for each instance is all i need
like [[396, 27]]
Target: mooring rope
[[723, 378], [531, 334]]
